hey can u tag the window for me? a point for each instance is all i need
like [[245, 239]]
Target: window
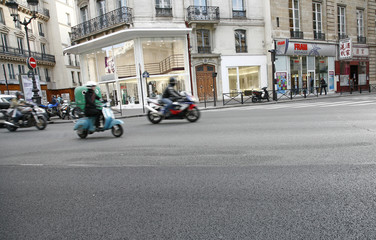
[[68, 19], [360, 22], [69, 59], [243, 78], [294, 19], [341, 22], [2, 19], [72, 73], [4, 42], [238, 10], [17, 23], [122, 3], [21, 69], [201, 3], [47, 75], [11, 71], [36, 71], [101, 7], [40, 29], [203, 44], [84, 14], [163, 8], [79, 78], [240, 41], [317, 20], [20, 45], [43, 48]]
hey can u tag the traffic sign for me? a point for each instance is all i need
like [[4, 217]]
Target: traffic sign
[[145, 74], [31, 62]]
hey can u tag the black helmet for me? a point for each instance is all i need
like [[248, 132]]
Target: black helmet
[[172, 81], [19, 94]]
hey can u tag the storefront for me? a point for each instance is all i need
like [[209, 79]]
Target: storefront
[[300, 66], [242, 73], [131, 65], [352, 68]]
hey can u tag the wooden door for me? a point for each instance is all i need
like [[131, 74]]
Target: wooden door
[[205, 81]]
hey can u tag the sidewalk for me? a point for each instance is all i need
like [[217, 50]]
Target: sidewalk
[[139, 112]]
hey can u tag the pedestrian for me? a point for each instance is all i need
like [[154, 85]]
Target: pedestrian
[[323, 85]]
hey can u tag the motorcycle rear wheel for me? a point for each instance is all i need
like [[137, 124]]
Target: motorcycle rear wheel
[[10, 128], [42, 123], [154, 118], [193, 115], [82, 133], [117, 130]]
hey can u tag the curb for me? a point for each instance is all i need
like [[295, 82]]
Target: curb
[[284, 101]]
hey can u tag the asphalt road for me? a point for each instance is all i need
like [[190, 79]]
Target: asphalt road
[[300, 170]]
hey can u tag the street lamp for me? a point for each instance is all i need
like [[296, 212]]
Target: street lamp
[[13, 9], [273, 53], [214, 75]]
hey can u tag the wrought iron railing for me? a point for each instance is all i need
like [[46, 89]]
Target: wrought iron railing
[[118, 16], [24, 53], [362, 40], [319, 36], [163, 12], [296, 34], [205, 49], [173, 62], [239, 14], [203, 13]]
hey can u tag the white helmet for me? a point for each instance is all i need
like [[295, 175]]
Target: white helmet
[[91, 84]]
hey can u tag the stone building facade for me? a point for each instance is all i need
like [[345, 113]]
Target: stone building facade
[[322, 39]]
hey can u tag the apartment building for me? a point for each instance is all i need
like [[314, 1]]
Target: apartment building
[[321, 39], [48, 36], [131, 48], [14, 50]]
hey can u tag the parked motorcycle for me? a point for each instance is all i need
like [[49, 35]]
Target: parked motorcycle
[[32, 115], [64, 110], [75, 111], [184, 108], [86, 125], [257, 96], [51, 109]]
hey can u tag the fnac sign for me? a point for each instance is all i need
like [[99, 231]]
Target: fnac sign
[[300, 47]]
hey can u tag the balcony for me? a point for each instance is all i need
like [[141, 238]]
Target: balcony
[[342, 36], [296, 34], [16, 52], [239, 14], [163, 12], [102, 23], [203, 14], [204, 50], [362, 40], [241, 49], [319, 36]]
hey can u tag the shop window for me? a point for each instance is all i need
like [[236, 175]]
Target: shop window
[[244, 78]]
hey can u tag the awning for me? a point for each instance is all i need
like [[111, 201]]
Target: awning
[[125, 35]]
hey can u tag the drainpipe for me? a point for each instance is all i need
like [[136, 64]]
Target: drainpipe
[[189, 57]]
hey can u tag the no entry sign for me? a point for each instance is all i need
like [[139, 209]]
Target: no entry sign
[[31, 62]]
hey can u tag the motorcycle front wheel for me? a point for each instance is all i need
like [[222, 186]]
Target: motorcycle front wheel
[[117, 130], [82, 133], [154, 117], [42, 124], [193, 115]]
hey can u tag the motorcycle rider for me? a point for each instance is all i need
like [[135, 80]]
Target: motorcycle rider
[[90, 106], [17, 104], [170, 95]]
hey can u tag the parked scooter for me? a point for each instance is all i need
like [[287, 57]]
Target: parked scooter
[[86, 125], [32, 115], [257, 96], [182, 109]]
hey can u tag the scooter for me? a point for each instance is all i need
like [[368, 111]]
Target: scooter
[[182, 109], [86, 125], [257, 96]]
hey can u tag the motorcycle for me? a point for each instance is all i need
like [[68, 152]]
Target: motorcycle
[[257, 96], [51, 109], [184, 108], [86, 125], [32, 115], [75, 112], [65, 110]]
